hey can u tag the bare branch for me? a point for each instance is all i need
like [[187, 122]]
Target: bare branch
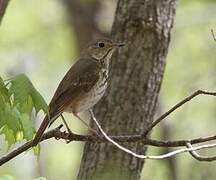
[[178, 105], [163, 156], [213, 35], [198, 157], [26, 146], [173, 153], [3, 6], [56, 133], [178, 143]]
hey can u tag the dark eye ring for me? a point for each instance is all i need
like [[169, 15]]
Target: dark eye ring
[[101, 44]]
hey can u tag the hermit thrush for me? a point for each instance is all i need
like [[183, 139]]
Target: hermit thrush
[[83, 85]]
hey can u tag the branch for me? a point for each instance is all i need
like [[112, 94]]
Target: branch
[[173, 153], [178, 105], [198, 157], [3, 6], [213, 35], [56, 133], [178, 143], [163, 156]]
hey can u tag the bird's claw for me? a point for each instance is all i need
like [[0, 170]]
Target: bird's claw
[[57, 138], [67, 136]]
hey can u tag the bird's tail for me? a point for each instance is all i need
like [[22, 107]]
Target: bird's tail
[[41, 130]]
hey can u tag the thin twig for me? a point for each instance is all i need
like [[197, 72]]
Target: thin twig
[[162, 156], [198, 157], [178, 105], [167, 155], [3, 7], [26, 146], [213, 35], [178, 143]]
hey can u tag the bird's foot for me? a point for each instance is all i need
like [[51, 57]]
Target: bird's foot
[[68, 134], [59, 128]]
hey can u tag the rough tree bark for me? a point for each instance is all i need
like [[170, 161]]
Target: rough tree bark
[[135, 78]]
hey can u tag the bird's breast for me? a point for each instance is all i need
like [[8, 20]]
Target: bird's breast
[[90, 98]]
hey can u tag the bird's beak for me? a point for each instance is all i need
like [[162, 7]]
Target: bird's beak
[[118, 44]]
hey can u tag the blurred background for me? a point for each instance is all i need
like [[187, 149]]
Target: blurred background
[[43, 39]]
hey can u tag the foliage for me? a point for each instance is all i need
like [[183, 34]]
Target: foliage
[[18, 99]]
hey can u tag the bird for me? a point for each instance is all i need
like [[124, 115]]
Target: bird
[[83, 85]]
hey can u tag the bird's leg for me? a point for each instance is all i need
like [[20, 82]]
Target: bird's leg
[[86, 124], [67, 127], [65, 123]]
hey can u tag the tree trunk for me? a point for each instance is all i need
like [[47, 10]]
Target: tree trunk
[[135, 79]]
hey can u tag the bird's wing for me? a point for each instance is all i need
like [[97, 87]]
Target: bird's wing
[[81, 77]]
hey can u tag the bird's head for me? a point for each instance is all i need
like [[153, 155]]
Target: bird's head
[[102, 48]]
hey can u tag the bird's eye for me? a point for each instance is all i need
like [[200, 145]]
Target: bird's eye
[[101, 44]]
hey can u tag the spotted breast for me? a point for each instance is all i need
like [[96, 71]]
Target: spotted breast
[[90, 98]]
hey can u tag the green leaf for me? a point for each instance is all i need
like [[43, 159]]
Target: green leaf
[[16, 104], [26, 107], [22, 89], [11, 117], [4, 94], [2, 101], [2, 119], [39, 102], [4, 91], [27, 125], [36, 150], [9, 135]]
